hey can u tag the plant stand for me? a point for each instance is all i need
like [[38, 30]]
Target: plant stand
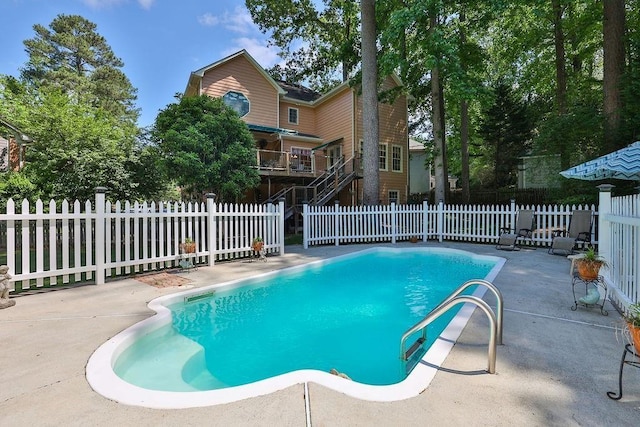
[[627, 349], [261, 255], [597, 283], [186, 261]]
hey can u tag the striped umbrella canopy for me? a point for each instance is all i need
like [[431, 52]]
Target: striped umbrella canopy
[[621, 164]]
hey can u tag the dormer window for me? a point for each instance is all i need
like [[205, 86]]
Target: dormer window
[[237, 101], [293, 116]]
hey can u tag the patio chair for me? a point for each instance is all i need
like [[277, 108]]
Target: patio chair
[[509, 237], [579, 231]]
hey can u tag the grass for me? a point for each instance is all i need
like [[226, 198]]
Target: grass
[[293, 239]]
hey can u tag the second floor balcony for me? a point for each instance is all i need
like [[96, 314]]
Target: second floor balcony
[[284, 163]]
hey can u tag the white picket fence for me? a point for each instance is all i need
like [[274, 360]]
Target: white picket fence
[[61, 246], [88, 242], [620, 241], [466, 223]]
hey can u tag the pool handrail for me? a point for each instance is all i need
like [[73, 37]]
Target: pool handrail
[[492, 288], [443, 308], [454, 299]]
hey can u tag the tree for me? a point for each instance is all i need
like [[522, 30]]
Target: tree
[[77, 105], [76, 148], [371, 139], [207, 148], [506, 130], [328, 32], [614, 63], [73, 57]]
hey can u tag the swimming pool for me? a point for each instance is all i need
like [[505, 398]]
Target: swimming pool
[[259, 335]]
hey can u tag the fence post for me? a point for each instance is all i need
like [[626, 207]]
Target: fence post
[[394, 223], [100, 240], [305, 224], [211, 228], [604, 226], [281, 224], [336, 210], [425, 220], [440, 225]]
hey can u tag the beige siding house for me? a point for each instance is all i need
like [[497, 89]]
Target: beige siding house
[[308, 144]]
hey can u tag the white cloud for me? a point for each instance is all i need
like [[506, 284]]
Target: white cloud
[[146, 4], [238, 21], [265, 56], [208, 20]]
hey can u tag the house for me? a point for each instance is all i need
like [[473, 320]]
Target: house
[[308, 144], [12, 147], [419, 171], [421, 181]]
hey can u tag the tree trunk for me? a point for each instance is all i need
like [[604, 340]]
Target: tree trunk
[[437, 119], [464, 123], [561, 75], [371, 184], [613, 30], [464, 149]]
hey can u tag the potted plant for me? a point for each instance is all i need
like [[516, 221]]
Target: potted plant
[[189, 246], [632, 317], [257, 244], [589, 265]]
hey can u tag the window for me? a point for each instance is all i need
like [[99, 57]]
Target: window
[[238, 102], [394, 196], [396, 158], [382, 162], [300, 159], [293, 116]]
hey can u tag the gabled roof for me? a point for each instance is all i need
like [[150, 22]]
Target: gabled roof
[[298, 92], [292, 91], [193, 86]]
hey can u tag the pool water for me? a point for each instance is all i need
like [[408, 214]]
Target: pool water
[[348, 314]]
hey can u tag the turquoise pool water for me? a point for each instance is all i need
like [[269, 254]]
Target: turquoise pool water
[[348, 314]]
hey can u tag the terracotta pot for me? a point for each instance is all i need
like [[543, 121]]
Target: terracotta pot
[[634, 331], [413, 239], [188, 248], [588, 270], [258, 246]]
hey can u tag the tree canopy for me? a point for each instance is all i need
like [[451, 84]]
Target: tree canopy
[[207, 147], [558, 56], [74, 101]]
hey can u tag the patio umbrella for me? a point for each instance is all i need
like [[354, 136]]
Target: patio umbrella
[[621, 164]]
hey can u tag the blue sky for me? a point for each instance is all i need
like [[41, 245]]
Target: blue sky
[[160, 41]]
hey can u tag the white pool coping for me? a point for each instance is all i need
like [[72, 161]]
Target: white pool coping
[[103, 379]]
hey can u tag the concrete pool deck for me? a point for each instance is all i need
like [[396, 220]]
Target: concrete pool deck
[[554, 368]]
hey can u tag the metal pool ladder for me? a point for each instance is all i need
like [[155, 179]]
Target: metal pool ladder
[[495, 322]]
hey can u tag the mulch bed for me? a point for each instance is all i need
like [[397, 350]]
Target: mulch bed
[[163, 280]]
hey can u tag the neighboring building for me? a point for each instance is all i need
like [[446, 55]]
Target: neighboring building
[[539, 172], [421, 180], [309, 144], [419, 171], [12, 147], [4, 154]]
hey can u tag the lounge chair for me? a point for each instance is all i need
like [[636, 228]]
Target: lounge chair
[[579, 231], [509, 237]]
